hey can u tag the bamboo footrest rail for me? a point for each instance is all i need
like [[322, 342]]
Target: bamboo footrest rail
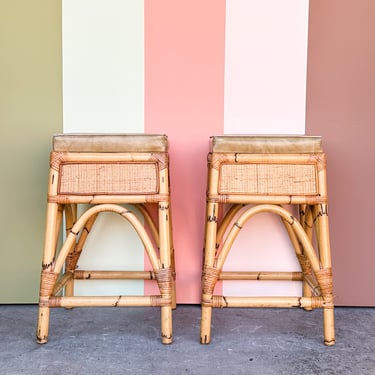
[[114, 275], [238, 275], [281, 302], [109, 301], [105, 171], [250, 175]]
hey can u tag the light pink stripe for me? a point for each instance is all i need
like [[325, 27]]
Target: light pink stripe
[[184, 90], [265, 85]]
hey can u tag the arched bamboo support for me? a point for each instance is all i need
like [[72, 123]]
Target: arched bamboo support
[[321, 289], [264, 173], [79, 225], [150, 222], [104, 172], [285, 215], [74, 254], [225, 222]]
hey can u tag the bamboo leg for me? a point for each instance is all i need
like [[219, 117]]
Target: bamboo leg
[[166, 284], [59, 219], [43, 325], [322, 229], [210, 273], [172, 260], [70, 218], [307, 224], [154, 230], [47, 275]]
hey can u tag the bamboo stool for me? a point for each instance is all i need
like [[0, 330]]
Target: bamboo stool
[[106, 171], [257, 174]]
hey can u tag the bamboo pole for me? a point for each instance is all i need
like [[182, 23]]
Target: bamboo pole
[[105, 198], [150, 222], [108, 157], [267, 199], [114, 275], [107, 208], [280, 302], [107, 301], [228, 217], [283, 213], [280, 276]]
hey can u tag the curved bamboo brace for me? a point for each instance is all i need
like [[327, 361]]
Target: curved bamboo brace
[[234, 209], [75, 252], [285, 215], [153, 227], [70, 212], [310, 287], [306, 219], [130, 216], [293, 237]]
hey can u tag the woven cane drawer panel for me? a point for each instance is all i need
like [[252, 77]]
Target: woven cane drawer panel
[[278, 179], [108, 178]]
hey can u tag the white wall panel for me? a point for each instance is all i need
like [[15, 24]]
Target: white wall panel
[[103, 66], [103, 92]]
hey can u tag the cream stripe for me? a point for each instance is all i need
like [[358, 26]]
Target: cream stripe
[[103, 92], [103, 66]]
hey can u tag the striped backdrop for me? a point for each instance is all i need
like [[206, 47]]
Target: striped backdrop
[[189, 69]]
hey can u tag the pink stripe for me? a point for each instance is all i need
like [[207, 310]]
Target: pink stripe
[[184, 91]]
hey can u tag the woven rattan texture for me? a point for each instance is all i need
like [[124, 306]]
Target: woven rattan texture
[[268, 179], [109, 178]]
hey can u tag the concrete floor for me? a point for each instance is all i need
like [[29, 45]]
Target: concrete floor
[[244, 341]]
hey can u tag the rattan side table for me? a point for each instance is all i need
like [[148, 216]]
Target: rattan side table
[[264, 173], [104, 172]]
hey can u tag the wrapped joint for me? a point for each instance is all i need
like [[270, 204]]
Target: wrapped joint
[[72, 260], [219, 302], [316, 302], [159, 301], [216, 160], [324, 279], [210, 276], [47, 282], [56, 159], [162, 159], [305, 264], [164, 280]]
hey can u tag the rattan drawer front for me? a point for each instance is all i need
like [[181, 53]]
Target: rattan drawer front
[[108, 178], [278, 179]]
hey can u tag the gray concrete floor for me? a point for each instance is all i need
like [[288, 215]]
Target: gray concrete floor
[[244, 341]]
